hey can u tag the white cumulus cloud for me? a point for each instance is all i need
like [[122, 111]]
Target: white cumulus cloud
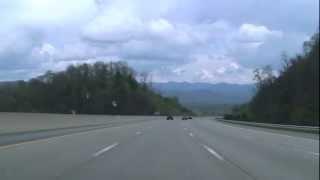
[[175, 40]]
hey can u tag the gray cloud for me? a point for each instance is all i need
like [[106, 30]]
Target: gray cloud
[[175, 40]]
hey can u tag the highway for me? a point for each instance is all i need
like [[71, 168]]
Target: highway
[[201, 148]]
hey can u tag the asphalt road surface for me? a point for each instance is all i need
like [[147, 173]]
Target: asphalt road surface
[[201, 149]]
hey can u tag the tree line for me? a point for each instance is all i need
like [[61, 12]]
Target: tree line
[[292, 97], [99, 88]]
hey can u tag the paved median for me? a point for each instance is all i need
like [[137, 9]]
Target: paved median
[[22, 127]]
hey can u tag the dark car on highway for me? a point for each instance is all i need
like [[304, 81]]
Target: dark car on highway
[[169, 117], [186, 117]]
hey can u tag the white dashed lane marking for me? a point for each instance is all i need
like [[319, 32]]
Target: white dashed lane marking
[[105, 149], [213, 152]]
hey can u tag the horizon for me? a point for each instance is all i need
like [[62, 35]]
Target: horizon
[[152, 82], [170, 89]]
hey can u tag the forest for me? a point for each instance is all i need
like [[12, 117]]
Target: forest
[[292, 97], [99, 88]]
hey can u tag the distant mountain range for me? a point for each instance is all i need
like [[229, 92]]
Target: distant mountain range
[[205, 96]]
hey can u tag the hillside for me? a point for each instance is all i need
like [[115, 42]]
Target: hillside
[[293, 96], [87, 89]]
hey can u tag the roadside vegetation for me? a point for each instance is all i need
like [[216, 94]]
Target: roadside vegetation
[[100, 88], [292, 97]]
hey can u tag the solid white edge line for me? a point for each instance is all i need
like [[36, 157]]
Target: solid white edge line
[[313, 153], [105, 149], [281, 135], [213, 152], [270, 133]]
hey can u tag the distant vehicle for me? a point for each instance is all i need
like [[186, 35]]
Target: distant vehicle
[[186, 117], [169, 117]]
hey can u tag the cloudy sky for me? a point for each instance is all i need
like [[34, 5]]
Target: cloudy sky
[[172, 40]]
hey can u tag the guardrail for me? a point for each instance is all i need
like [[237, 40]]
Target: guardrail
[[307, 129]]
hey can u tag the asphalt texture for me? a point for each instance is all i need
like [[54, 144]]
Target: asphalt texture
[[201, 148]]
